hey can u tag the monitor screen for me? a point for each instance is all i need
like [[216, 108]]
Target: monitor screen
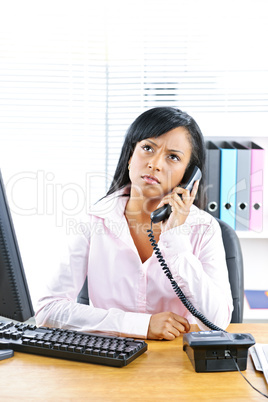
[[15, 300]]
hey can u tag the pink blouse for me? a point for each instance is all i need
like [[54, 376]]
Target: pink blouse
[[123, 291]]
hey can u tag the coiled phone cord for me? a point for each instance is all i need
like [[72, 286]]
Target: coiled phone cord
[[176, 287]]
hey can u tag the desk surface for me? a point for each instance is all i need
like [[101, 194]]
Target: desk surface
[[162, 373]]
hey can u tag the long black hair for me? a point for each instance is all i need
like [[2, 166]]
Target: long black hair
[[152, 124]]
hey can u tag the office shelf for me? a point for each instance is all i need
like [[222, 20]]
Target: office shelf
[[254, 245], [252, 235]]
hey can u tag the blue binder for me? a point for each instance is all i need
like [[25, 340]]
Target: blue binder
[[242, 186], [228, 183]]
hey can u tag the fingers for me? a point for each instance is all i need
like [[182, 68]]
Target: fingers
[[183, 321], [167, 326], [181, 196], [195, 188], [186, 195]]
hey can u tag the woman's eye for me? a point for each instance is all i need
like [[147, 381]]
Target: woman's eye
[[147, 148], [174, 157]]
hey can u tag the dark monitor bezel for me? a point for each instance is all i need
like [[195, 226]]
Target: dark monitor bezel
[[15, 299]]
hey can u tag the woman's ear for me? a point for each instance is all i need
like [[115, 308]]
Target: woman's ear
[[129, 162]]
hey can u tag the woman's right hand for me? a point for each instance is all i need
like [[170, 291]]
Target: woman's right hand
[[167, 326]]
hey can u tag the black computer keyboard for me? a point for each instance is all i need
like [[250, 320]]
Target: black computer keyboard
[[71, 345]]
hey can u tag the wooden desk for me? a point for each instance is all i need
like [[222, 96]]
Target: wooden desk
[[163, 373]]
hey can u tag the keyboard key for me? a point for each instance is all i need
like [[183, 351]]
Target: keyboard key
[[122, 356], [33, 342], [111, 354], [79, 349], [40, 344]]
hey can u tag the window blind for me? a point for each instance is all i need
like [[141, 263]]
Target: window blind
[[74, 76], [206, 58]]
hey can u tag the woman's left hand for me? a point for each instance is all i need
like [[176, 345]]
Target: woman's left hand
[[180, 201]]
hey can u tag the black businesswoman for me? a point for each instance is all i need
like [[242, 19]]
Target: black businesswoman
[[129, 294]]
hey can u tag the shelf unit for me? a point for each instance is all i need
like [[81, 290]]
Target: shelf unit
[[254, 245]]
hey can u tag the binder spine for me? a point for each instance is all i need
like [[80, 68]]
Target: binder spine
[[228, 184], [256, 193], [242, 186], [213, 179]]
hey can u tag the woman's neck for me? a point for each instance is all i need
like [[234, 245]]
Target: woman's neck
[[138, 216], [140, 209]]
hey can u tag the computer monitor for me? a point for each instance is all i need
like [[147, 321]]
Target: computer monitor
[[15, 299]]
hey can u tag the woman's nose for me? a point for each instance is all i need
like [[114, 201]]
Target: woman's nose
[[155, 163]]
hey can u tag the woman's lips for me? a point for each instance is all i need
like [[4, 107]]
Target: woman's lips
[[150, 179]]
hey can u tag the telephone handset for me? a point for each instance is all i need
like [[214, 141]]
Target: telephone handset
[[188, 181]]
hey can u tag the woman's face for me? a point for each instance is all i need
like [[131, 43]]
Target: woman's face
[[158, 164]]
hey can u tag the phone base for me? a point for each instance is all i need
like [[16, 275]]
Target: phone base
[[211, 351]]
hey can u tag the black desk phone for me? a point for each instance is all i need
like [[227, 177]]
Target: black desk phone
[[214, 350], [211, 351]]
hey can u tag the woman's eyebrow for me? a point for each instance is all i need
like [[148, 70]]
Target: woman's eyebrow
[[175, 150], [170, 150]]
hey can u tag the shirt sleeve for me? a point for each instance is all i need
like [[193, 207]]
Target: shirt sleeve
[[58, 306], [196, 258]]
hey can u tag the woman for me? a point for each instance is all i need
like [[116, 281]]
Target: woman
[[129, 293]]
